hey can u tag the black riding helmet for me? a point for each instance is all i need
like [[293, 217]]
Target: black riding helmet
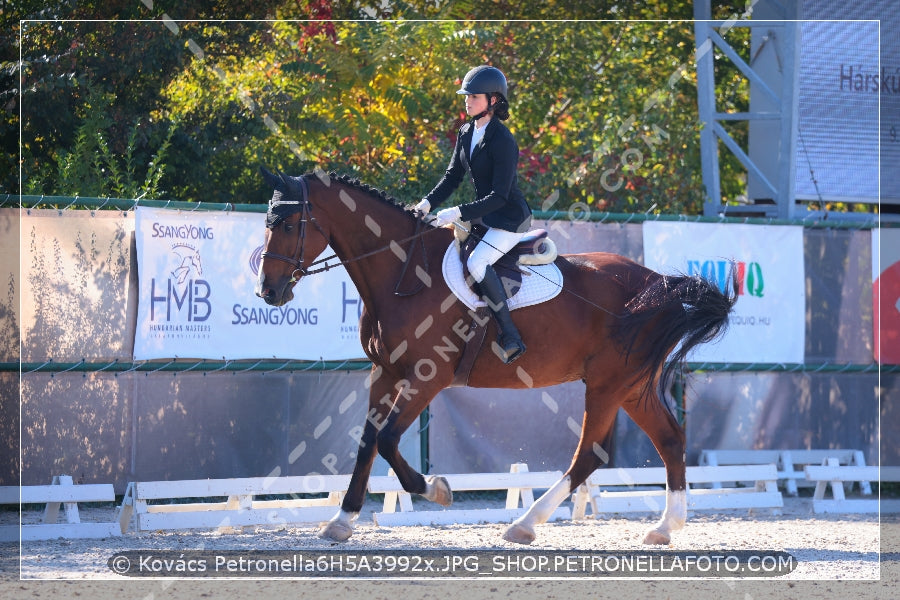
[[484, 80]]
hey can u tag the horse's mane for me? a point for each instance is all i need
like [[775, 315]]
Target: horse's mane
[[372, 191]]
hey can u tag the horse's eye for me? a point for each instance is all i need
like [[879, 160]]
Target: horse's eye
[[288, 227]]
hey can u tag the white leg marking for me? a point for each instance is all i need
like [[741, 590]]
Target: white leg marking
[[340, 527], [675, 514], [347, 518], [544, 506]]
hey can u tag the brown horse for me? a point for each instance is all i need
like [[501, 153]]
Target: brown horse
[[613, 326]]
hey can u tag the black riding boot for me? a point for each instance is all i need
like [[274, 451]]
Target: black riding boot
[[494, 294]]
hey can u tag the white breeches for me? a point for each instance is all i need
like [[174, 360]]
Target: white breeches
[[494, 244]]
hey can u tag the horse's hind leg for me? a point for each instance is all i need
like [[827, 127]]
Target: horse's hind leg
[[668, 437], [599, 416]]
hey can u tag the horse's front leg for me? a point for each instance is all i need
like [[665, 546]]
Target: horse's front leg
[[340, 527], [393, 407], [410, 399]]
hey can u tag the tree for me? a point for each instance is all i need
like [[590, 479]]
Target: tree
[[604, 111], [377, 99], [69, 54]]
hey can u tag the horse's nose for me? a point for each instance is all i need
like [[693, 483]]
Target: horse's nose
[[267, 294]]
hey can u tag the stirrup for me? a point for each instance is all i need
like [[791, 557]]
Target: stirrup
[[509, 348]]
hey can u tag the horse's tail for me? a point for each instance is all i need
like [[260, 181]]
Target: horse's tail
[[673, 309]]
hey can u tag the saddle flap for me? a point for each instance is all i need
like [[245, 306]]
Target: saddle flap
[[535, 248]]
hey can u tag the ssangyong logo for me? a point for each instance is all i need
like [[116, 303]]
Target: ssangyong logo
[[183, 295], [181, 232]]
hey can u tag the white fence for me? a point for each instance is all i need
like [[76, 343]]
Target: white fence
[[227, 504], [625, 490], [62, 491]]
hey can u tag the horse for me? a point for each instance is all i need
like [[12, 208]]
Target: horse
[[613, 326]]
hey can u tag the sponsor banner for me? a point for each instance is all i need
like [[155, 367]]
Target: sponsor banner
[[768, 322], [886, 294], [197, 276]]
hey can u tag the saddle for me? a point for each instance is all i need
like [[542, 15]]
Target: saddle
[[535, 248]]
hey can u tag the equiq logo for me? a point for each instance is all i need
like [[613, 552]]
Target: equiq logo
[[749, 275]]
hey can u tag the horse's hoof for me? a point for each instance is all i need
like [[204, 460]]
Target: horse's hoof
[[336, 531], [519, 534], [439, 490], [656, 538]]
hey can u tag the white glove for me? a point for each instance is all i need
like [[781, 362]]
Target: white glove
[[446, 216], [423, 207]]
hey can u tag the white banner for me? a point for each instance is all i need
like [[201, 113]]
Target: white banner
[[197, 276], [769, 320]]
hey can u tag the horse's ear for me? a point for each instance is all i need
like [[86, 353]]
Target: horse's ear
[[289, 184], [286, 180], [273, 181]]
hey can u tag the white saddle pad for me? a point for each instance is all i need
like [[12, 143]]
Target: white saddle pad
[[539, 283]]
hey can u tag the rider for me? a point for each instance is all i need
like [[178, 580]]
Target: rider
[[486, 149]]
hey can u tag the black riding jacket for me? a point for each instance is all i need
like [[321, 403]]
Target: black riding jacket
[[499, 201]]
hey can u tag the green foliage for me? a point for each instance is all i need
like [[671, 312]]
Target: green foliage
[[91, 168], [604, 111]]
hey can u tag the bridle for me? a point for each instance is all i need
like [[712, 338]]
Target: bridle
[[297, 260]]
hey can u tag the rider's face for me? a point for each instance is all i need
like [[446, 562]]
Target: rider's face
[[476, 103]]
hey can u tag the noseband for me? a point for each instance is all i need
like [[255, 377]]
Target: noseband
[[305, 209]]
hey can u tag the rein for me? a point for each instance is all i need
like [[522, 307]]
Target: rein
[[417, 235], [306, 216]]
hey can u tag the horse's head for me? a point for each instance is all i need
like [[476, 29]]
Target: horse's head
[[293, 238]]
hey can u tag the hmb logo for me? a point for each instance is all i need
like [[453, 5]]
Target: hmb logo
[[184, 295]]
